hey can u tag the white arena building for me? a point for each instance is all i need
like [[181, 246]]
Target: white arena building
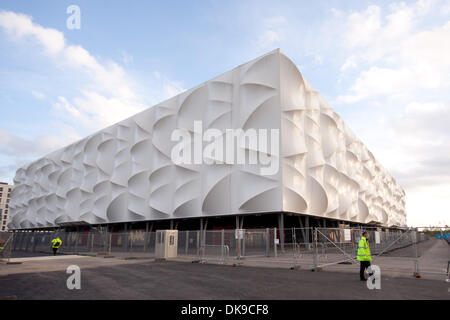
[[126, 174]]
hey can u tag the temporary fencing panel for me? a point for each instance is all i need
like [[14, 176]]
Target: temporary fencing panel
[[302, 247]]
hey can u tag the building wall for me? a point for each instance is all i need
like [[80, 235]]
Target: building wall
[[328, 172], [125, 172], [5, 194]]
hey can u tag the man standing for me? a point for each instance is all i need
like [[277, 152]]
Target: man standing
[[56, 243], [363, 255]]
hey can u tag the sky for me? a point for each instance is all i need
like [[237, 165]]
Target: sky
[[384, 66]]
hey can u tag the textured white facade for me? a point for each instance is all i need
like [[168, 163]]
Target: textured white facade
[[125, 172]]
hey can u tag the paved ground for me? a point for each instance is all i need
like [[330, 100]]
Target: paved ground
[[409, 251], [44, 277], [436, 257], [177, 280], [22, 254]]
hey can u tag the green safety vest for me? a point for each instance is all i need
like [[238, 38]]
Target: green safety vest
[[56, 243], [363, 250]]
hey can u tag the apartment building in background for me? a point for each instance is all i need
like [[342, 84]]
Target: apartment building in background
[[5, 196]]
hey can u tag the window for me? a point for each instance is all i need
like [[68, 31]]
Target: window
[[4, 222], [3, 228], [5, 217]]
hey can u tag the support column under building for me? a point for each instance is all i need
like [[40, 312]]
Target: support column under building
[[281, 227], [239, 222], [307, 229], [125, 237], [203, 226]]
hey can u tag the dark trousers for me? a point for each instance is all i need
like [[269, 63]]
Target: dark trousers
[[54, 251], [363, 266]]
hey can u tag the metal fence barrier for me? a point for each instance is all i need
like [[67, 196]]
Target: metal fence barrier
[[220, 253], [6, 244], [300, 247]]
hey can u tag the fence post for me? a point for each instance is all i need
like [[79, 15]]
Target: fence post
[[416, 254], [27, 241], [33, 247], [110, 242], [267, 242], [186, 245], [11, 246], [315, 239], [308, 229], [281, 226], [238, 243], [223, 244], [198, 242], [88, 241], [73, 241], [14, 244], [243, 242], [21, 240], [64, 236], [145, 239], [275, 242], [77, 241]]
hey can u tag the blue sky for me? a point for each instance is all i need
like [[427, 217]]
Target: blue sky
[[383, 65]]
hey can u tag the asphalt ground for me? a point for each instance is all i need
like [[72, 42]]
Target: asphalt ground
[[177, 280]]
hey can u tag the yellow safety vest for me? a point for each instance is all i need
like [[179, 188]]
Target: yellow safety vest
[[363, 250], [56, 243]]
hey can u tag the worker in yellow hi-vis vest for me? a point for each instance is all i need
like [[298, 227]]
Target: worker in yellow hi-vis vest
[[56, 243], [364, 256]]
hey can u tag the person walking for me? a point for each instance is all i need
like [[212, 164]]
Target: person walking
[[363, 256], [56, 243]]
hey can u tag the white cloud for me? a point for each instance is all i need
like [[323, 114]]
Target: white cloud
[[273, 32], [401, 59], [172, 88], [445, 9], [106, 94], [350, 63], [363, 26], [127, 58], [21, 26], [269, 38], [17, 151], [38, 95], [431, 204], [403, 64], [169, 87], [108, 98], [379, 81]]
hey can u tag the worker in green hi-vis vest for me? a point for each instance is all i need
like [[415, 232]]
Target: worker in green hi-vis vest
[[364, 256], [56, 243]]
